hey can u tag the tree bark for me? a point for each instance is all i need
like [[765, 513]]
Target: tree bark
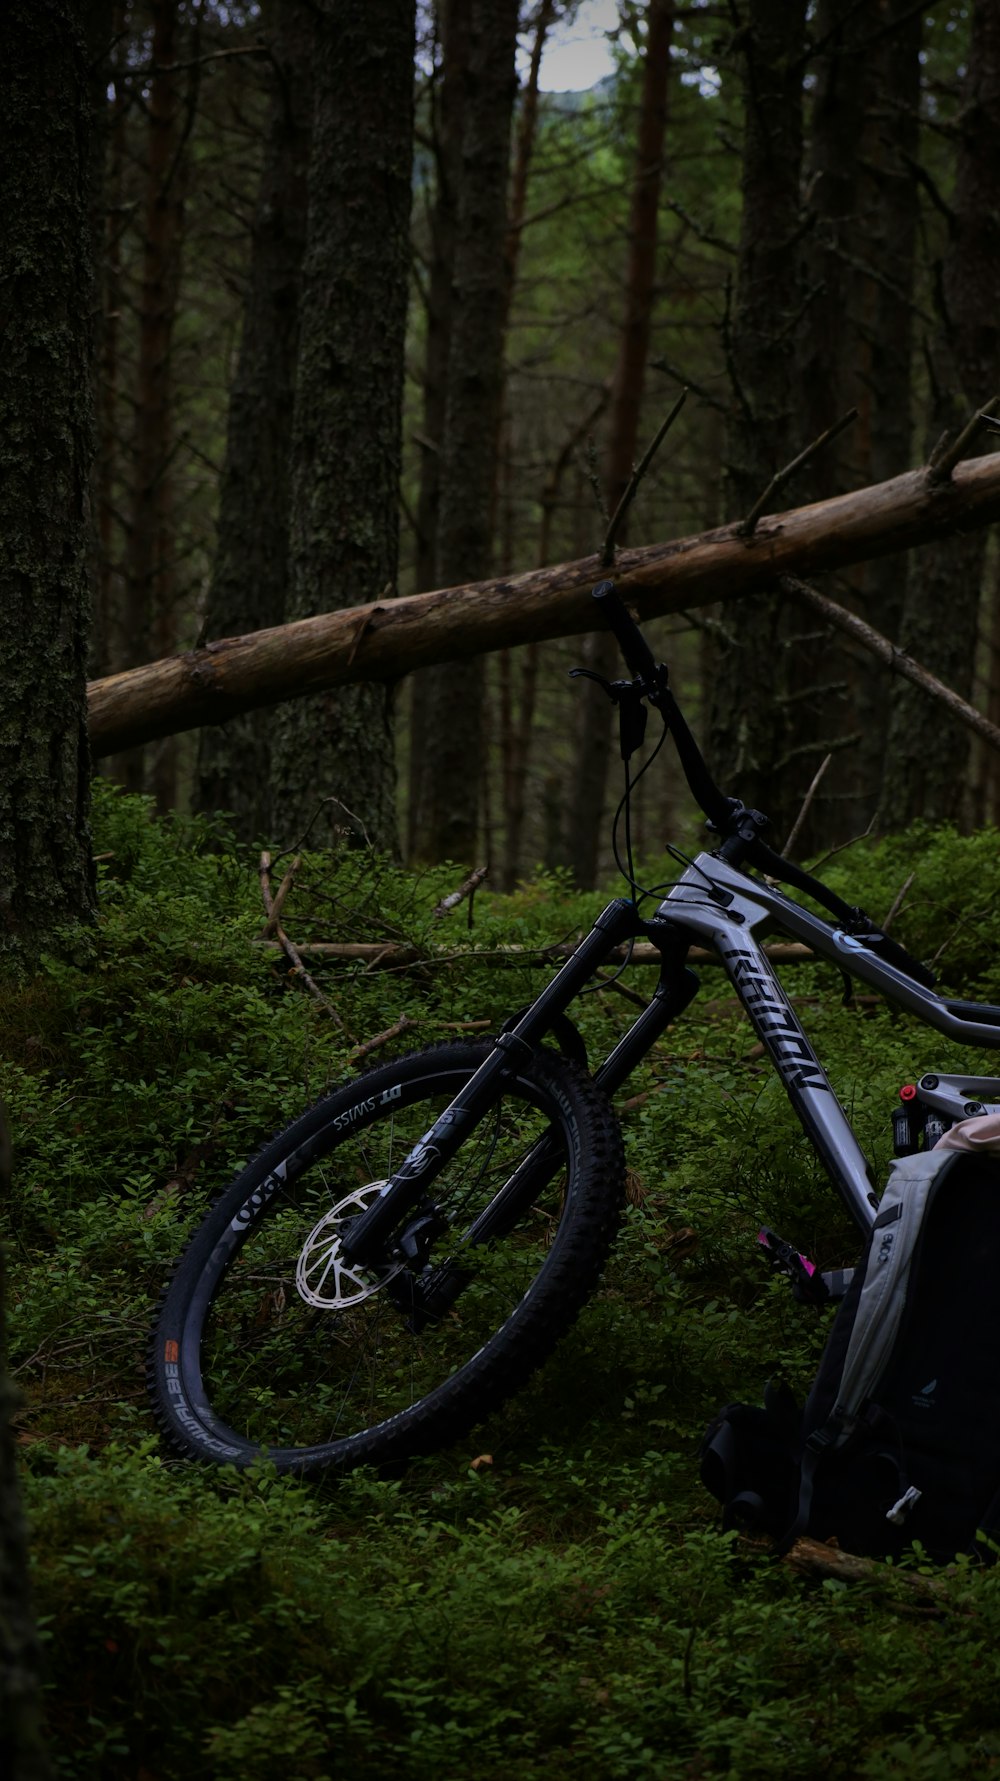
[[884, 303], [593, 713], [148, 609], [449, 95], [103, 639], [855, 343], [453, 738], [925, 773], [518, 671], [47, 168], [338, 754], [750, 711], [249, 578], [383, 640], [46, 291]]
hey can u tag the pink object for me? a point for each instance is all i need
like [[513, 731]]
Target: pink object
[[981, 1133]]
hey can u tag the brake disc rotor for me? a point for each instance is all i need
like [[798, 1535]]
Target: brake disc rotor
[[322, 1278]]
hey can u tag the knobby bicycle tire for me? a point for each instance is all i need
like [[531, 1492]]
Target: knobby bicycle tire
[[263, 1348]]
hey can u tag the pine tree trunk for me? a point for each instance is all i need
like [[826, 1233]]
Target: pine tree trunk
[[926, 765], [249, 579], [600, 653], [108, 390], [148, 573], [46, 294], [854, 351], [455, 694], [344, 520], [103, 25], [884, 294], [453, 27], [47, 167], [518, 671], [750, 724]]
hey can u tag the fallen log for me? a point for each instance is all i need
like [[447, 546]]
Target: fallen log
[[907, 1591], [389, 638], [393, 954]]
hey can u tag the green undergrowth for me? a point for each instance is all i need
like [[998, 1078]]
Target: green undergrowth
[[553, 1596]]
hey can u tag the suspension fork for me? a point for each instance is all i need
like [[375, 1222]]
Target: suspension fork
[[364, 1241], [674, 991], [428, 1299], [533, 1172]]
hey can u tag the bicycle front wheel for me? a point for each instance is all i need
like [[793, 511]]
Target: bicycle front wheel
[[268, 1345]]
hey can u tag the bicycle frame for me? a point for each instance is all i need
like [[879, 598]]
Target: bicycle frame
[[721, 907]]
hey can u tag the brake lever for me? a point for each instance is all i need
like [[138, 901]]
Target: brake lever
[[632, 713]]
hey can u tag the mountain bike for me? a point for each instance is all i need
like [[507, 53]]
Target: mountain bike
[[399, 1260]]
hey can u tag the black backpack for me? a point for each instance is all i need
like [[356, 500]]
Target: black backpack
[[899, 1440]]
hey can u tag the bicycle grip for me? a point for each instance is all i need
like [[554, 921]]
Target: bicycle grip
[[630, 639]]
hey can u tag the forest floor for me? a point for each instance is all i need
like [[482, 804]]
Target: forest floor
[[553, 1595]]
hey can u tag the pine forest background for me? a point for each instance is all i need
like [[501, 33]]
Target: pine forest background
[[625, 264]]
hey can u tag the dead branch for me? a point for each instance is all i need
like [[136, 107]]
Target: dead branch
[[946, 455], [378, 954], [896, 660], [897, 902], [402, 1025], [273, 905], [468, 889], [632, 486], [282, 941], [405, 1025], [620, 989], [231, 675], [807, 800], [811, 1558], [780, 477]]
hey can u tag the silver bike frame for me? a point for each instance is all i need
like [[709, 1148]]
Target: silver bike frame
[[730, 912]]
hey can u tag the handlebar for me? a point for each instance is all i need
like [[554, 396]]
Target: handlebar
[[631, 641], [655, 686], [739, 827]]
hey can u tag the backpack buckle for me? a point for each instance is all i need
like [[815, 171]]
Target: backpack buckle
[[899, 1511]]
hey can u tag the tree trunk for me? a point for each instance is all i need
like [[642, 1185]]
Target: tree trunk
[[450, 89], [883, 299], [103, 645], [103, 24], [926, 766], [854, 351], [47, 168], [149, 554], [752, 685], [249, 579], [384, 640], [453, 739], [46, 292], [337, 753], [600, 653], [518, 672]]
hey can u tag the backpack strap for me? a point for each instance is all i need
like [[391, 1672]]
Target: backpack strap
[[887, 1268], [872, 1426]]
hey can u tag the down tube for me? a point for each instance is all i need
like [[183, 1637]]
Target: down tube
[[823, 1118]]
